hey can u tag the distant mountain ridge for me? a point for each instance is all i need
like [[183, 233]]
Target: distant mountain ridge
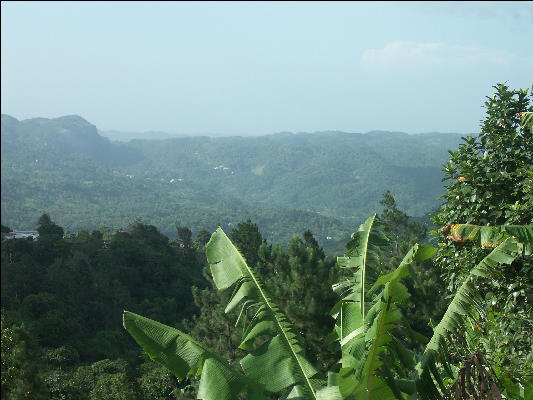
[[121, 136], [63, 136], [126, 136], [326, 181]]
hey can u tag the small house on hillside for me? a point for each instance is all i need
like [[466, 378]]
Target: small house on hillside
[[21, 235]]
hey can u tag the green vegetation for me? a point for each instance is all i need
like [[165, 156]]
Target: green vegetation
[[336, 174], [491, 183], [369, 329], [245, 316], [64, 294], [61, 304]]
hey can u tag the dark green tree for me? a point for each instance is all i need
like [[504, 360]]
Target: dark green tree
[[48, 227], [301, 280], [185, 235], [427, 288], [395, 219], [158, 383], [248, 239], [62, 356], [20, 378], [311, 242], [200, 240], [50, 244], [69, 293]]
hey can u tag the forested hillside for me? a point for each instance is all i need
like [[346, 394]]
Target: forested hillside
[[335, 173], [69, 293], [327, 182]]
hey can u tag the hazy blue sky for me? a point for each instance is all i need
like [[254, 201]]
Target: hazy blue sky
[[260, 67]]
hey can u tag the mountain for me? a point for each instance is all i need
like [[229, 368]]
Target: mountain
[[64, 137], [325, 181]]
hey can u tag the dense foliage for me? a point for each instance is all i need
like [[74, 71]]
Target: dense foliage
[[369, 329], [369, 322], [491, 183], [60, 296], [60, 299], [336, 174]]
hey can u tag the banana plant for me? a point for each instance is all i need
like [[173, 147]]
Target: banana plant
[[368, 326], [368, 319], [364, 350]]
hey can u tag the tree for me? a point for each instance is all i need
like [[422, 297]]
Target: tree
[[491, 176], [185, 235], [491, 183], [48, 227], [200, 240], [69, 293], [50, 244], [248, 239], [158, 383], [215, 327], [300, 280], [395, 219], [427, 288], [64, 355], [311, 242], [105, 379], [20, 378]]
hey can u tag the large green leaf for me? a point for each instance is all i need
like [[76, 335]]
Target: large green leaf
[[387, 318], [467, 296], [364, 336], [362, 255], [183, 356], [465, 302], [279, 362]]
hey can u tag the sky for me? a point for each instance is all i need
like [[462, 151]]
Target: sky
[[252, 68]]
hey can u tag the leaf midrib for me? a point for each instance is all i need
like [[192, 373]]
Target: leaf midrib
[[280, 328], [363, 267]]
